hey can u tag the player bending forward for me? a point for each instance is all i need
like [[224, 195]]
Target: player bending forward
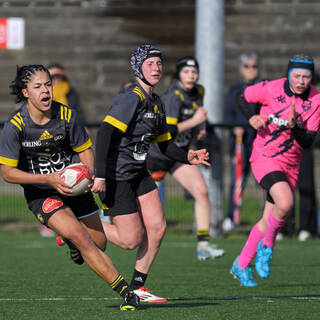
[[37, 143]]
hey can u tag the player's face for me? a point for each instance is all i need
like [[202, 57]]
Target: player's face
[[188, 77], [300, 80], [152, 70], [250, 70], [39, 91]]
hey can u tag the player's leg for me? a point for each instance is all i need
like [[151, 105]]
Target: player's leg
[[155, 225], [241, 266], [271, 222], [93, 225], [191, 179], [126, 231], [66, 224]]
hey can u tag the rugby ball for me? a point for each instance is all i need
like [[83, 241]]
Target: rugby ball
[[78, 177]]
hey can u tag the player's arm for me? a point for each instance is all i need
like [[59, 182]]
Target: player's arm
[[103, 141], [303, 136], [87, 158], [170, 149], [15, 175], [256, 121], [199, 117]]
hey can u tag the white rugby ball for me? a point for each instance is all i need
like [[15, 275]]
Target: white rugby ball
[[77, 176]]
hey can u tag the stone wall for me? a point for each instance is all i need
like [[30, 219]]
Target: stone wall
[[93, 39]]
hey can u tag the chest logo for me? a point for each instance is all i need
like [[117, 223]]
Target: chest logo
[[46, 135]]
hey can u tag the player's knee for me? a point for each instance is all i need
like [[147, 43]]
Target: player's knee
[[157, 232], [200, 192], [132, 241], [284, 207], [101, 242]]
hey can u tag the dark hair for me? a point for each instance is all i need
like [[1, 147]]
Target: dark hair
[[22, 78]]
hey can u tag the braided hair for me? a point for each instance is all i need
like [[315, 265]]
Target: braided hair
[[22, 79]]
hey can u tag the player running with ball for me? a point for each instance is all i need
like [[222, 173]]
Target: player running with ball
[[37, 143], [288, 122]]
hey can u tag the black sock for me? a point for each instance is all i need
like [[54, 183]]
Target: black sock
[[120, 285], [138, 279], [203, 235]]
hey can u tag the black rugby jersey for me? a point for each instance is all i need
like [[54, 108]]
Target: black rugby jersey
[[179, 106], [140, 120], [43, 149]]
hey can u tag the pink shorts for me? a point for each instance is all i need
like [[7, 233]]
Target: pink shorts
[[262, 167]]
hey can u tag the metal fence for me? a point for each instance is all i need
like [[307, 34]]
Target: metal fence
[[178, 208]]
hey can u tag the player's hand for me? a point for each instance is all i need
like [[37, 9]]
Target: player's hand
[[199, 116], [258, 121], [292, 116], [55, 181], [98, 186], [202, 133], [198, 157]]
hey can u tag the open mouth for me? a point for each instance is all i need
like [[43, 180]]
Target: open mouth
[[45, 99]]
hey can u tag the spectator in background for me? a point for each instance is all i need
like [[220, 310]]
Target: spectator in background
[[249, 74], [63, 92]]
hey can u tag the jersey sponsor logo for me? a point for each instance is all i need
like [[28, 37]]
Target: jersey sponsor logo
[[58, 137], [46, 165], [46, 135], [278, 121], [51, 204], [31, 144], [150, 115], [187, 112]]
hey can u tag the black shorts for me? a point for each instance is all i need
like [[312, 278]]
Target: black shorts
[[121, 196], [270, 179], [45, 203], [170, 166]]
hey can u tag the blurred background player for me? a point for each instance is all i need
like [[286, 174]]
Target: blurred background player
[[288, 122], [38, 141], [129, 195], [240, 134], [186, 118]]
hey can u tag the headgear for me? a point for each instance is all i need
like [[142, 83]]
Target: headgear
[[187, 61], [141, 54]]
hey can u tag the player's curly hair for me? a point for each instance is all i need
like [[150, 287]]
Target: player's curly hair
[[22, 78]]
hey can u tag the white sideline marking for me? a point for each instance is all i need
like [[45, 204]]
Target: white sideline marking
[[268, 299]]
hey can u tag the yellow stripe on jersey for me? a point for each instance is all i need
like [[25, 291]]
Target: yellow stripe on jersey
[[65, 113], [171, 120], [164, 137], [138, 91], [16, 124], [84, 146], [178, 93], [200, 90], [194, 105], [9, 162], [19, 119], [116, 123]]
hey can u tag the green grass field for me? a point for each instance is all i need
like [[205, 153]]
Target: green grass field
[[38, 281]]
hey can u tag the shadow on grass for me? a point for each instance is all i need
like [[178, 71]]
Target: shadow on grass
[[196, 302]]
